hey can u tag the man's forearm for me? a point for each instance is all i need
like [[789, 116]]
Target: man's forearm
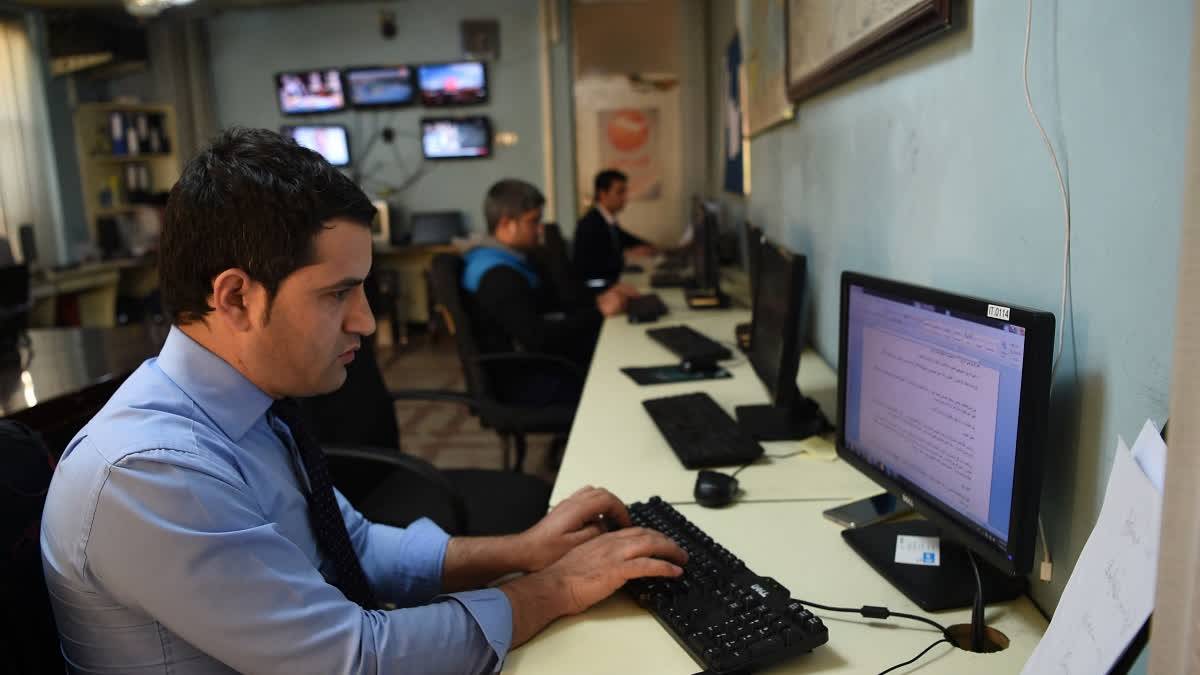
[[472, 562], [536, 600]]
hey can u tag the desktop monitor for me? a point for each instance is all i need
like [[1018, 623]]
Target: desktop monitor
[[380, 86], [706, 232], [456, 138], [329, 140], [436, 227], [943, 401], [309, 91], [461, 83], [777, 329]]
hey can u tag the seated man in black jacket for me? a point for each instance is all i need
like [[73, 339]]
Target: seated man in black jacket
[[513, 304], [600, 243]]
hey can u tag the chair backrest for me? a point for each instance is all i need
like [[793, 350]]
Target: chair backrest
[[446, 275], [554, 259], [28, 637]]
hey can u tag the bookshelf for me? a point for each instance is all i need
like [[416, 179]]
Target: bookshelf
[[118, 172]]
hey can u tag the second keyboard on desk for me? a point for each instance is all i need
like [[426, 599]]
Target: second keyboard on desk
[[689, 344], [700, 432], [728, 618]]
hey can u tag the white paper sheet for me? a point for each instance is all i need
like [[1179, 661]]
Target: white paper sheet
[[1111, 591], [1150, 452]]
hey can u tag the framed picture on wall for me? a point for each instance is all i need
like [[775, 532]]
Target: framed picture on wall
[[830, 41]]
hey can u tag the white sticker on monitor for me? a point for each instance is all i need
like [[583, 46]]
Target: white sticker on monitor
[[998, 312], [912, 550]]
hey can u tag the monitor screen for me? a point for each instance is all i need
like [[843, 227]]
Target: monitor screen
[[450, 138], [330, 140], [460, 83], [380, 86], [776, 333], [942, 400], [706, 232], [309, 91], [437, 227]]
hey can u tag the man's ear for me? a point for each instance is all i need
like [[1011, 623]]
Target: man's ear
[[504, 228], [235, 298]]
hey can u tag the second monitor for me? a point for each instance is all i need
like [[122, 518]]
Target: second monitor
[[776, 340]]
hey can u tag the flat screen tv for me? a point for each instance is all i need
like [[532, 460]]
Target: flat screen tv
[[310, 91], [330, 140], [456, 137], [378, 86], [460, 83]]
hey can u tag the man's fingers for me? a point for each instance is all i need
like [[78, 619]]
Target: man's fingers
[[650, 567]]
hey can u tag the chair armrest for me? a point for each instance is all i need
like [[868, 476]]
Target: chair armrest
[[415, 466], [566, 364]]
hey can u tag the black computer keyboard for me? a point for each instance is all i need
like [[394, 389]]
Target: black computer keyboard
[[700, 433], [645, 308], [688, 344], [726, 617]]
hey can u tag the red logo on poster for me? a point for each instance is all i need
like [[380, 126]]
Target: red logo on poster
[[628, 130]]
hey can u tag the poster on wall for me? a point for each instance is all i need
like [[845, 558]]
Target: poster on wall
[[761, 24], [735, 177], [628, 141]]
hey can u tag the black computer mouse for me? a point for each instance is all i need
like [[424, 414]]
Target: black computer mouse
[[714, 488], [698, 365]]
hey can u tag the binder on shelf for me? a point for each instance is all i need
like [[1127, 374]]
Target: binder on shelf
[[116, 133]]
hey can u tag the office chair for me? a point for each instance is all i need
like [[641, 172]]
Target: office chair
[[511, 422], [28, 636], [356, 426], [552, 257]]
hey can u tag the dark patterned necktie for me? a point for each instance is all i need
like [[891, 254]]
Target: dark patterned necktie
[[323, 512]]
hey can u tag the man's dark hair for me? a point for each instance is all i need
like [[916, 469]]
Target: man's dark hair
[[606, 178], [253, 200], [510, 198]]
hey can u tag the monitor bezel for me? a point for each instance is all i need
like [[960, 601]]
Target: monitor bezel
[[348, 90], [1016, 556], [283, 129], [487, 122], [705, 261], [783, 391], [487, 86], [279, 100]]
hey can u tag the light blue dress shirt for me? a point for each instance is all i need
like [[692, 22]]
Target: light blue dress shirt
[[175, 539]]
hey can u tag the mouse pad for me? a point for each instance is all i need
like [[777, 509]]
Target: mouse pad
[[671, 373]]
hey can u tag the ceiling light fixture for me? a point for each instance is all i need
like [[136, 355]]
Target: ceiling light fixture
[[145, 9]]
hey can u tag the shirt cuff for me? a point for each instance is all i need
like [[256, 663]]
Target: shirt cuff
[[491, 610]]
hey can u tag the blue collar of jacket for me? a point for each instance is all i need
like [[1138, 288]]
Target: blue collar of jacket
[[479, 261]]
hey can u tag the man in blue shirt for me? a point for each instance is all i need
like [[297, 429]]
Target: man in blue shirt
[[184, 530]]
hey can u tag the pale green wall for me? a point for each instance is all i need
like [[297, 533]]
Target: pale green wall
[[930, 170]]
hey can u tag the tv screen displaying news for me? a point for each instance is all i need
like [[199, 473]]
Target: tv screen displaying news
[[330, 140], [454, 138], [310, 91], [459, 83], [380, 86]]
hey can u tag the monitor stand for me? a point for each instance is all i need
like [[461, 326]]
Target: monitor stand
[[948, 586], [771, 423]]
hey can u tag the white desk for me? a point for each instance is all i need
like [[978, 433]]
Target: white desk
[[615, 444], [793, 543]]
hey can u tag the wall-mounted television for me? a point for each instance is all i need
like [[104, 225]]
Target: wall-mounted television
[[329, 140], [456, 137], [460, 83], [310, 91], [371, 86]]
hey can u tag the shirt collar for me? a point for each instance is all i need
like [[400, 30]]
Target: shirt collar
[[233, 402], [608, 217]]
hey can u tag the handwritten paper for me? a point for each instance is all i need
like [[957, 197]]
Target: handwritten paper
[[1111, 592]]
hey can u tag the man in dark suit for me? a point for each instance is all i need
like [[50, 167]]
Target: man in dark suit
[[600, 243]]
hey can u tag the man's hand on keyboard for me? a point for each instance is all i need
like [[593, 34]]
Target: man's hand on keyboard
[[625, 290], [583, 516], [594, 570], [611, 302]]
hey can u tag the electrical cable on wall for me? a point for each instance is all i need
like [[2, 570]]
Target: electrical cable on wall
[[1062, 312]]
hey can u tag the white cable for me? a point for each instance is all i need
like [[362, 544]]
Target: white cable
[[1062, 312]]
